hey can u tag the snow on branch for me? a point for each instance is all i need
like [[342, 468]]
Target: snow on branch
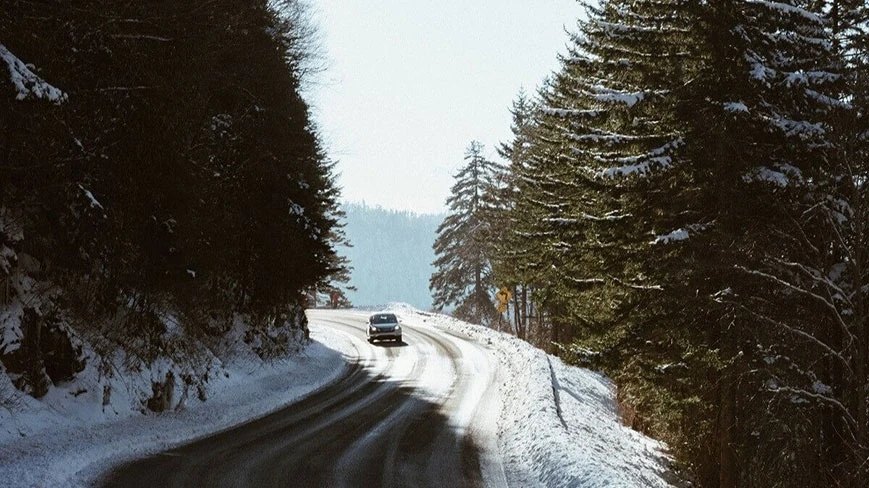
[[820, 279], [612, 138], [759, 70], [611, 28], [27, 82], [735, 107], [676, 235], [608, 95], [801, 333], [800, 128], [94, 203], [565, 113], [609, 217], [808, 293], [141, 37], [781, 176], [680, 234], [789, 9], [637, 287], [852, 423], [586, 281], [641, 164], [803, 78]]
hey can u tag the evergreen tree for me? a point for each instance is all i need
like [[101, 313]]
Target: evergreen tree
[[509, 256], [772, 84], [463, 248], [181, 174], [678, 200]]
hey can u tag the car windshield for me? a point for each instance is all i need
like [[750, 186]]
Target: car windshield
[[383, 318]]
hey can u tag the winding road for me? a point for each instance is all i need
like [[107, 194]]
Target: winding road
[[419, 413]]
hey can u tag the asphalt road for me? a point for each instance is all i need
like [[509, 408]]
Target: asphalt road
[[420, 413]]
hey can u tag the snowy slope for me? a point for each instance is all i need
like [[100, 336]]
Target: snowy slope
[[558, 424], [66, 441]]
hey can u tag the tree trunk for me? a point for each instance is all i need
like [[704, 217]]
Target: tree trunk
[[862, 334], [727, 469], [526, 326], [517, 318]]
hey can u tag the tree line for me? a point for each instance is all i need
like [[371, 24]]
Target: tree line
[[684, 206], [158, 163]]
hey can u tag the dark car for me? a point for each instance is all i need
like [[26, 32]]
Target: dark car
[[382, 326]]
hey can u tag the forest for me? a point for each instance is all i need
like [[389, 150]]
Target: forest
[[162, 188], [683, 205], [391, 255]]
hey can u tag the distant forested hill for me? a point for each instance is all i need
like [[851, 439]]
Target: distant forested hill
[[391, 255]]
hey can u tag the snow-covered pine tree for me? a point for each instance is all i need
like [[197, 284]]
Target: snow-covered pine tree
[[463, 247], [677, 157], [841, 205], [757, 114], [180, 176], [605, 184]]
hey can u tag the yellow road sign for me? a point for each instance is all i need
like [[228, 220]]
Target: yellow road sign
[[503, 295]]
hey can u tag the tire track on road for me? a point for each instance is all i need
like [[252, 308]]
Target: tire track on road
[[385, 422]]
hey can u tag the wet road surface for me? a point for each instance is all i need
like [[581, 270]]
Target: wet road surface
[[404, 414]]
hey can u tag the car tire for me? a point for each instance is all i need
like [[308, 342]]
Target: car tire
[[370, 340]]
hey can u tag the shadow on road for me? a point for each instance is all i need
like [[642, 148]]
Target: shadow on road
[[389, 343], [362, 430]]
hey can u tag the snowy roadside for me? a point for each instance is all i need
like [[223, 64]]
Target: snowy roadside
[[558, 424], [65, 445]]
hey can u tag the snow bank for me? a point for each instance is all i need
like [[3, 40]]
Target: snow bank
[[66, 440], [558, 424]]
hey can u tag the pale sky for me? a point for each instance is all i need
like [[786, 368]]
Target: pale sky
[[410, 83]]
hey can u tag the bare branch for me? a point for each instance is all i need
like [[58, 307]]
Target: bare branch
[[829, 305]]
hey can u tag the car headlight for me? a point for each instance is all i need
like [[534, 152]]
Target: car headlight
[[397, 328]]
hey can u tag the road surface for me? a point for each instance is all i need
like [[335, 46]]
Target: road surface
[[419, 413]]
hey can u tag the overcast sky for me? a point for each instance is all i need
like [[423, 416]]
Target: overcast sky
[[409, 84]]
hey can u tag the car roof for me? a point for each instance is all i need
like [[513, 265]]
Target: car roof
[[383, 315]]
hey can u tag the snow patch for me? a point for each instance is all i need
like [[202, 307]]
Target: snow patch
[[676, 235], [26, 82], [735, 107], [558, 424], [781, 176]]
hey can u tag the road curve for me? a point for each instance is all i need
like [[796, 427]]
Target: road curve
[[420, 413]]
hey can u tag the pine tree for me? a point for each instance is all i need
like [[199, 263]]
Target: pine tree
[[463, 247], [509, 262], [772, 85], [182, 173], [673, 197]]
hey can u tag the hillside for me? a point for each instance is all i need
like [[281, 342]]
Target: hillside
[[391, 255], [164, 199]]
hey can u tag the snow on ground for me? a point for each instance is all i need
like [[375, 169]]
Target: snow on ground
[[558, 424], [65, 440]]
